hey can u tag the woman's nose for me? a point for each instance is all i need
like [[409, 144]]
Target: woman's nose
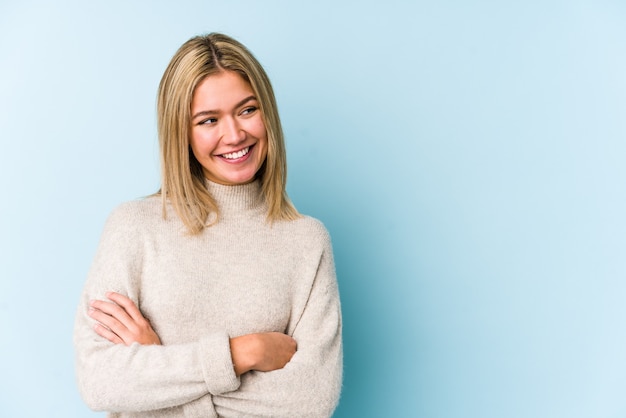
[[233, 132]]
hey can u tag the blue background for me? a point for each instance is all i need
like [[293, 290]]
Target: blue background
[[467, 158]]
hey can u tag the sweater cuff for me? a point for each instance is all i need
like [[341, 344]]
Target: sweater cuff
[[201, 407], [217, 364]]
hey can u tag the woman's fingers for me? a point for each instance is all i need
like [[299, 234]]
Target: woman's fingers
[[113, 310], [109, 318], [128, 305], [123, 320], [104, 332]]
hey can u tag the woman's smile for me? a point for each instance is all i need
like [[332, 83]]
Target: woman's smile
[[237, 155]]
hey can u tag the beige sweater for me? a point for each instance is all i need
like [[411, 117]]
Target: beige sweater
[[240, 276]]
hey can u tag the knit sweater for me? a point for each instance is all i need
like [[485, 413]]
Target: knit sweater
[[242, 275]]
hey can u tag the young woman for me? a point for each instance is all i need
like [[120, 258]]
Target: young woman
[[214, 297]]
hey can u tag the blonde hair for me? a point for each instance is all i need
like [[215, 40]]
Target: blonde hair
[[182, 178]]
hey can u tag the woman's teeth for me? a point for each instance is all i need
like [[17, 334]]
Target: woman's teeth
[[235, 155]]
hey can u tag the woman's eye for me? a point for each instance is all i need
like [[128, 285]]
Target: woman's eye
[[208, 121], [248, 110]]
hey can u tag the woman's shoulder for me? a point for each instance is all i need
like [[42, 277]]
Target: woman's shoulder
[[311, 223], [308, 228], [137, 212]]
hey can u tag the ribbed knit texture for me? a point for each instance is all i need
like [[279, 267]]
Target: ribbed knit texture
[[243, 275]]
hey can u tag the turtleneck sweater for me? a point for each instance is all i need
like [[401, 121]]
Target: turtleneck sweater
[[241, 275]]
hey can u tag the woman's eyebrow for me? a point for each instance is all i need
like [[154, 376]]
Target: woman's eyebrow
[[214, 112]]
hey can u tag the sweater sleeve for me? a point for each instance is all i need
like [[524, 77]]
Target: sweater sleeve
[[310, 384], [117, 378]]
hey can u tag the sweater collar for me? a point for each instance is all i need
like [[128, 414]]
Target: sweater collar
[[237, 198]]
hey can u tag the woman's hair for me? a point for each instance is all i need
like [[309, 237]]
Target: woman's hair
[[182, 178]]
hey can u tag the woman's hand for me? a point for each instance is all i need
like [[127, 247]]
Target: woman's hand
[[263, 352], [121, 322]]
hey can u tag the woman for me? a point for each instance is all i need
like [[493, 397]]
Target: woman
[[214, 297]]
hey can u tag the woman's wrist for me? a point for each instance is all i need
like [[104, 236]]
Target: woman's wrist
[[242, 351]]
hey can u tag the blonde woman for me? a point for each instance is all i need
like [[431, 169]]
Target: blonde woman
[[214, 297]]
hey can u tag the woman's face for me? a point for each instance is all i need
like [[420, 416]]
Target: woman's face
[[228, 136]]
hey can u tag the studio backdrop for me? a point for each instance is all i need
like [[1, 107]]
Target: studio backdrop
[[467, 157]]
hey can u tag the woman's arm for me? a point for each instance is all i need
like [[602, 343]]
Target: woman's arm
[[116, 377], [121, 322]]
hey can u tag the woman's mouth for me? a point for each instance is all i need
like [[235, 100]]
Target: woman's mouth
[[236, 155]]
